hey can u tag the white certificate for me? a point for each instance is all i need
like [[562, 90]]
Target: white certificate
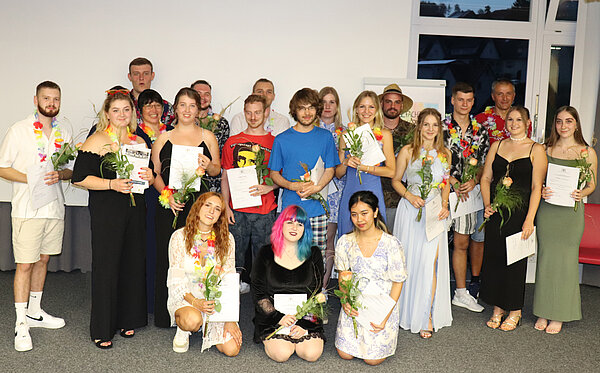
[[433, 225], [375, 308], [473, 203], [240, 180], [184, 162], [139, 156], [41, 194], [517, 249], [372, 153], [563, 181], [315, 176], [230, 299], [286, 304]]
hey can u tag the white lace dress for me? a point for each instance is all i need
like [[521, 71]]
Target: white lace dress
[[185, 275]]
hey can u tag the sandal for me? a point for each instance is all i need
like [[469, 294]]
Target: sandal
[[511, 323], [540, 325], [127, 333], [551, 329], [426, 334], [102, 344], [495, 320]]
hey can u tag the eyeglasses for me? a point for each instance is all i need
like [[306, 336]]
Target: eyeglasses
[[154, 106]]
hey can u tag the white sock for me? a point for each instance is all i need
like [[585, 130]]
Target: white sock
[[21, 310], [461, 291], [35, 300]]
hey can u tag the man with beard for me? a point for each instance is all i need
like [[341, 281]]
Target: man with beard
[[37, 229], [221, 129], [141, 75], [393, 104], [250, 226], [275, 123], [296, 152]]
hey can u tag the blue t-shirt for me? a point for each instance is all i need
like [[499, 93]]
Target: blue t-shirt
[[292, 147]]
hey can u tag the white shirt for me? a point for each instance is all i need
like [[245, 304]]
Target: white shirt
[[274, 124], [19, 151]]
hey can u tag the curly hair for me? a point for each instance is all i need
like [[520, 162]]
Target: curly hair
[[221, 227], [306, 96]]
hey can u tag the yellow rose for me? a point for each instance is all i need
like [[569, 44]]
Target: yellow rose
[[200, 171], [255, 148], [345, 275], [321, 298]]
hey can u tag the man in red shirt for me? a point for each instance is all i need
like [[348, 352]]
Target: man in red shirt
[[493, 117]]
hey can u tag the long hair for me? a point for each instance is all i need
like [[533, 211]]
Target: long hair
[[293, 213], [553, 138], [221, 227], [337, 119], [524, 112], [372, 201], [378, 113], [112, 96], [438, 142], [187, 92]]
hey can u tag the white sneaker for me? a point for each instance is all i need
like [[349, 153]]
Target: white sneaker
[[22, 337], [43, 320], [181, 342], [244, 287], [465, 300]]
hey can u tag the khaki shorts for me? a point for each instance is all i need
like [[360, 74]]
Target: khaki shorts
[[32, 237]]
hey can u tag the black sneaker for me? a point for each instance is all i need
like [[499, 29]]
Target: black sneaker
[[473, 289]]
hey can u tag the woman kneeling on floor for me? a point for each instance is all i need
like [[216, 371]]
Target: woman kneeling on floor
[[204, 244]]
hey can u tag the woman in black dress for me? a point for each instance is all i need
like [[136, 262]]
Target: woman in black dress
[[186, 132], [524, 161], [118, 227], [288, 266]]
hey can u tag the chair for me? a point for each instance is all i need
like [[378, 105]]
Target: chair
[[589, 248]]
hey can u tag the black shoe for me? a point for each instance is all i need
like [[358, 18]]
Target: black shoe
[[474, 289]]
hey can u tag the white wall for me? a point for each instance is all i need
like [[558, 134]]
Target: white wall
[[85, 47]]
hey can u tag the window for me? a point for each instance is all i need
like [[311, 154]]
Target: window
[[505, 10]]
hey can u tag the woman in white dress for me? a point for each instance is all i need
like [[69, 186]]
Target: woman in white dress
[[203, 244], [376, 258], [425, 301]]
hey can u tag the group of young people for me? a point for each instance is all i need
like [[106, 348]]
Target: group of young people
[[335, 211]]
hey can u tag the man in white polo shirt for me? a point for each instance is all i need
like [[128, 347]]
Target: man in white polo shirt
[[37, 231]]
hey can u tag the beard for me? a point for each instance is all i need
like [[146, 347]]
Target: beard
[[394, 114], [48, 113]]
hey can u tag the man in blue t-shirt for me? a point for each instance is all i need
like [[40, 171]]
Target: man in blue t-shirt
[[304, 144]]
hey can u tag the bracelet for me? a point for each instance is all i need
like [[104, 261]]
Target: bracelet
[[109, 188]]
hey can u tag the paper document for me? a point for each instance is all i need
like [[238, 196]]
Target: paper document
[[286, 304], [563, 181], [41, 194], [184, 162], [240, 180], [372, 153], [473, 203], [433, 225], [375, 309], [517, 249], [139, 156], [315, 176], [230, 299]]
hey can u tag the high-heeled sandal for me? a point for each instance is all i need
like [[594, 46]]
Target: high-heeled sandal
[[511, 323], [495, 320]]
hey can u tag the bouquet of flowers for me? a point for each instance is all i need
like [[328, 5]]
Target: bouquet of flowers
[[262, 171], [317, 196], [117, 161], [349, 293], [211, 122], [427, 184], [585, 172], [354, 145], [506, 197], [181, 195], [212, 282], [313, 306], [470, 170], [67, 153]]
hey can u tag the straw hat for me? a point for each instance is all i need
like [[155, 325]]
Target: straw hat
[[407, 102]]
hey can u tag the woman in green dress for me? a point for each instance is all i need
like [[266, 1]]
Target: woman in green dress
[[556, 299]]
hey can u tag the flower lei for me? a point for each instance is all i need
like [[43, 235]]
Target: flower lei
[[150, 132], [491, 123], [196, 253], [378, 134], [455, 139], [39, 138], [114, 138], [270, 125]]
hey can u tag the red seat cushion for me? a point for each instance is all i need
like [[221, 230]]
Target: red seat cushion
[[589, 248]]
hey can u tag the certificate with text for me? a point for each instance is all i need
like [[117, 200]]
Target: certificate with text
[[184, 162], [139, 156], [240, 180], [473, 203], [517, 248], [563, 181], [287, 304]]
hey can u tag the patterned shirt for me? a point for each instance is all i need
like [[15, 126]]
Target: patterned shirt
[[401, 137], [473, 143], [494, 124], [221, 132], [168, 115]]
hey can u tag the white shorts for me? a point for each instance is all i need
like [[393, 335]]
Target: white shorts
[[33, 237]]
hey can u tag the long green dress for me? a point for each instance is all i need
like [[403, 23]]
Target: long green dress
[[559, 232]]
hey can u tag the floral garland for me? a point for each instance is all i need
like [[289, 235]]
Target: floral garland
[[210, 263], [270, 125], [491, 123], [378, 134], [150, 132], [455, 139], [39, 138], [114, 138]]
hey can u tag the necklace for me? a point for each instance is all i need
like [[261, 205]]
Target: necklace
[[39, 139], [519, 139], [207, 232]]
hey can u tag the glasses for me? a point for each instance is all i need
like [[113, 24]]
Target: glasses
[[153, 106]]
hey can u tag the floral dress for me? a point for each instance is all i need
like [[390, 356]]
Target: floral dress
[[385, 266], [187, 275]]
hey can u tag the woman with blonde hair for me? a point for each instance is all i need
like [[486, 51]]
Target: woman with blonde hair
[[203, 247], [366, 111], [425, 301]]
